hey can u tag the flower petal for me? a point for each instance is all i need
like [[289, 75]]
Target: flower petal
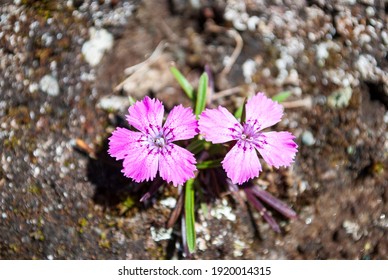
[[180, 124], [122, 141], [141, 163], [262, 111], [219, 125], [176, 165], [146, 115], [278, 148], [241, 163]]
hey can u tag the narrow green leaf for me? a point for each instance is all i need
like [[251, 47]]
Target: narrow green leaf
[[201, 94], [189, 215], [244, 113], [131, 100], [196, 146], [209, 164], [238, 112], [183, 82], [281, 96]]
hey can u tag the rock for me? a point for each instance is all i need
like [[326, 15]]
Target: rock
[[49, 85], [100, 41], [308, 138], [340, 98]]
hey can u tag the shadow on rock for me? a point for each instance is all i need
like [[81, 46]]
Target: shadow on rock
[[112, 187]]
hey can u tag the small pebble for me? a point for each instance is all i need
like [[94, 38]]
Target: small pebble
[[308, 138], [370, 11]]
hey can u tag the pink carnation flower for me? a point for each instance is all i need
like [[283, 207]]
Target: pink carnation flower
[[150, 148], [241, 163]]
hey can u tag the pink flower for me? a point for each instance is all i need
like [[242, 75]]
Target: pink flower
[[150, 148], [241, 163]]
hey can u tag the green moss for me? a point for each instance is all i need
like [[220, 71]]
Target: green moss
[[37, 235], [12, 143], [44, 8], [377, 168], [20, 114], [157, 253], [126, 205], [14, 247], [34, 189], [104, 242], [82, 223]]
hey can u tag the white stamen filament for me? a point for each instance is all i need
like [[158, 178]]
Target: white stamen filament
[[159, 141]]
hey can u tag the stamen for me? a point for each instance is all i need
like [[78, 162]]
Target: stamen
[[159, 142]]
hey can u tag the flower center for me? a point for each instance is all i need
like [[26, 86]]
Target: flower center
[[248, 133], [159, 141]]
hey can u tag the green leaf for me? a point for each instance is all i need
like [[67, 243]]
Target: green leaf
[[281, 96], [196, 146], [201, 94], [189, 215], [244, 113], [183, 82], [209, 164], [131, 100], [238, 112]]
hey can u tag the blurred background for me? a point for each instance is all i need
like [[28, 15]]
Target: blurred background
[[67, 69]]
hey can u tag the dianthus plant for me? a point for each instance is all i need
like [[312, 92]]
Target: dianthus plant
[[148, 150]]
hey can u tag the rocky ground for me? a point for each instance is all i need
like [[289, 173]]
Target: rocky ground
[[65, 77]]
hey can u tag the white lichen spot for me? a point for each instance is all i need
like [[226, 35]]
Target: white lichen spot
[[49, 85], [322, 53], [223, 210], [33, 87], [169, 202], [340, 98], [352, 229], [383, 221], [100, 42], [366, 65], [201, 244], [160, 234], [249, 69], [115, 103], [238, 247]]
